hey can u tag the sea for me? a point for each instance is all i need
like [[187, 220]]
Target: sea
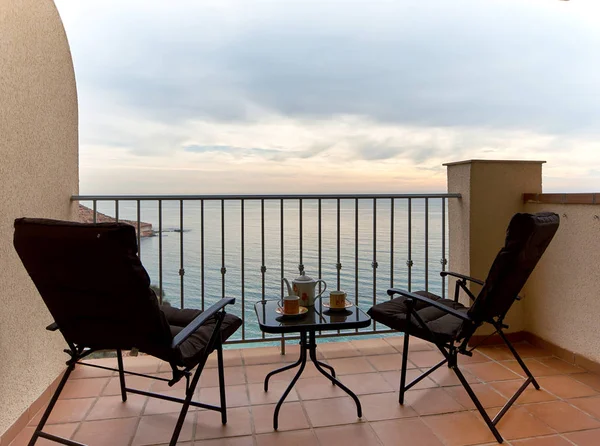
[[201, 238]]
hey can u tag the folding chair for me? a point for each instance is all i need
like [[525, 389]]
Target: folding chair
[[98, 292], [450, 325]]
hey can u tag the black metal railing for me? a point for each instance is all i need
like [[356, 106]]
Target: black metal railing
[[208, 246]]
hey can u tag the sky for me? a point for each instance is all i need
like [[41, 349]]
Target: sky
[[330, 96]]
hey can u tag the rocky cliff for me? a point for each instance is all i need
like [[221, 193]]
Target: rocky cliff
[[86, 215]]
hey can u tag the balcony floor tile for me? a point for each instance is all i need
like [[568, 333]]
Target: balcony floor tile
[[518, 423], [437, 411], [348, 435], [62, 430], [107, 407], [562, 417], [384, 363], [585, 438], [332, 350], [551, 440], [332, 411], [459, 429], [412, 431], [565, 387], [291, 417], [289, 438], [156, 429], [115, 432]]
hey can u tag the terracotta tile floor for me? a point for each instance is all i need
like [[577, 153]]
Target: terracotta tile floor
[[437, 412]]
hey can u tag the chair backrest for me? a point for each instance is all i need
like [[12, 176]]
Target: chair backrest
[[93, 283], [527, 237]]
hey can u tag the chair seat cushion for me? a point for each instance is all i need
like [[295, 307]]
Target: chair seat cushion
[[393, 314], [190, 351]]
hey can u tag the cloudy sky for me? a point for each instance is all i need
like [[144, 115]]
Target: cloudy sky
[[219, 96]]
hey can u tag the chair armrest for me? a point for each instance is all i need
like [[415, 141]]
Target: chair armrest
[[200, 320], [433, 303], [461, 276], [52, 327]]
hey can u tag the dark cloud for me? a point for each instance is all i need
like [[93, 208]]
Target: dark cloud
[[471, 63], [494, 66], [378, 151]]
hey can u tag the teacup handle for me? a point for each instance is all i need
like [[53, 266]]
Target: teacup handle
[[323, 290]]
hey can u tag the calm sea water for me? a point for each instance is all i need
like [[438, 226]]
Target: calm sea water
[[186, 246]]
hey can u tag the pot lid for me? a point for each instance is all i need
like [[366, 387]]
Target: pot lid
[[303, 278]]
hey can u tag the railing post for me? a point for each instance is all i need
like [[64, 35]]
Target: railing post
[[492, 192]]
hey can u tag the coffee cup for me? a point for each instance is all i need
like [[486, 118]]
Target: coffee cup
[[337, 300], [290, 304]]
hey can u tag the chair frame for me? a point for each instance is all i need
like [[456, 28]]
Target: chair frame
[[450, 350], [77, 353]]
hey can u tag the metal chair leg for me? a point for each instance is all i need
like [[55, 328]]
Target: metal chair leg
[[518, 358], [121, 375], [491, 425], [403, 371], [38, 430], [214, 343], [186, 405], [222, 384]]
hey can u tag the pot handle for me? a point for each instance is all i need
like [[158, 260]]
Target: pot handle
[[324, 283], [289, 288]]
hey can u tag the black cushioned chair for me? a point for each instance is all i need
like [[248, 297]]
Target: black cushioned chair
[[98, 292], [449, 324]]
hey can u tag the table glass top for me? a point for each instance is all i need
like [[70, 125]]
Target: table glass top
[[317, 317]]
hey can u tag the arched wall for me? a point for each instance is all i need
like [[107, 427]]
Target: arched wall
[[38, 174]]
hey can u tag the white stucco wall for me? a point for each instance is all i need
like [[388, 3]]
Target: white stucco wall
[[38, 174], [563, 293]]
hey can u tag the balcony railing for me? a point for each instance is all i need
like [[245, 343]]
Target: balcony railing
[[209, 246]]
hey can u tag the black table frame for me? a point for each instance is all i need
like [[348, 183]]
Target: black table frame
[[309, 345], [308, 350]]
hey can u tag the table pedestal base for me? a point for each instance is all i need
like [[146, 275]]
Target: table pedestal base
[[309, 346]]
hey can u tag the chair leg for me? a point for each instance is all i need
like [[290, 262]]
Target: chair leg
[[186, 405], [222, 384], [404, 365], [121, 375], [477, 403], [214, 343], [518, 358], [38, 430]]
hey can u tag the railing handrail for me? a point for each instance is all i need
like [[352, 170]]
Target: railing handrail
[[259, 196]]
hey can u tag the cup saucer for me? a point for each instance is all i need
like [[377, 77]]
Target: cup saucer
[[330, 308], [301, 312]]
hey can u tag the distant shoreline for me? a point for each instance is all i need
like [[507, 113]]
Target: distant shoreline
[[86, 215]]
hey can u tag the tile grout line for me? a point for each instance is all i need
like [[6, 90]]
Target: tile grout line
[[141, 415], [250, 405], [252, 425]]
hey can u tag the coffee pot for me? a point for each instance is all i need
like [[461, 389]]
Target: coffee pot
[[304, 287]]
